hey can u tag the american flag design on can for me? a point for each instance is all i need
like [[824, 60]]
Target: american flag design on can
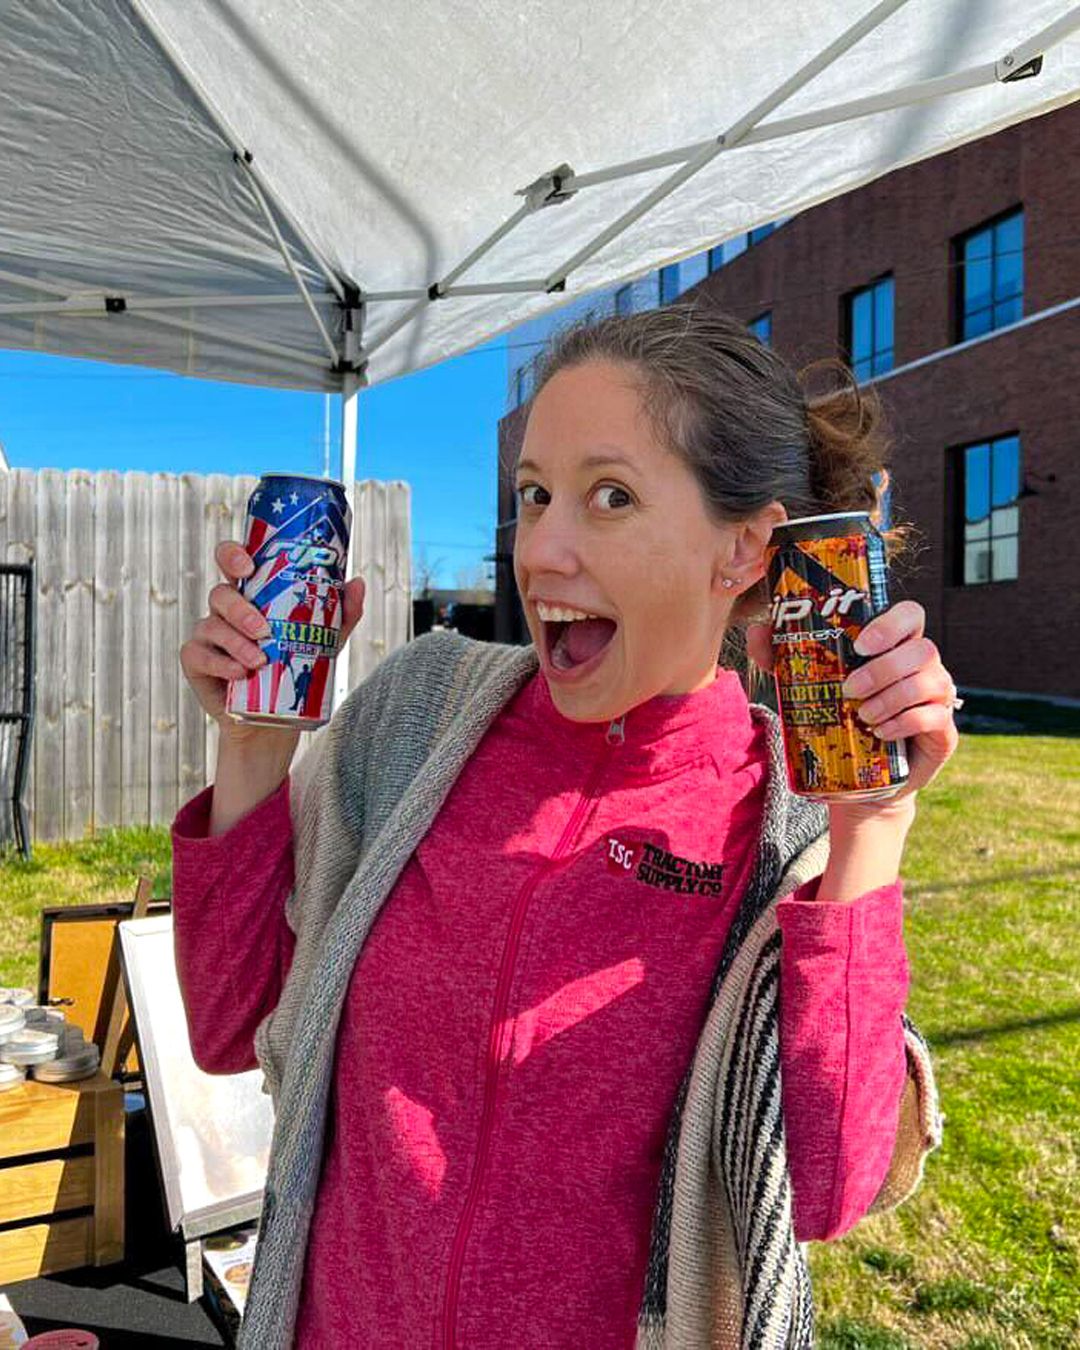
[[298, 537], [827, 576]]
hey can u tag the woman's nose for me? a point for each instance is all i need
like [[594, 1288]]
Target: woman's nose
[[549, 543]]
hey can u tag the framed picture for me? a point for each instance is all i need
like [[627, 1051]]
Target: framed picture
[[211, 1131]]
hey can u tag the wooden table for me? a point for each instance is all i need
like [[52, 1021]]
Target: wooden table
[[61, 1177]]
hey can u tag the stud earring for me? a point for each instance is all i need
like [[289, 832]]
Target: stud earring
[[728, 581]]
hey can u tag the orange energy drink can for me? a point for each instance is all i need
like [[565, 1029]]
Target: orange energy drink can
[[827, 576]]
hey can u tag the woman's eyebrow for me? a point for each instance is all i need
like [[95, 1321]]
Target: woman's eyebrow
[[589, 462]]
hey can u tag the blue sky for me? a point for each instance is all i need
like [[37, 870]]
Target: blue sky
[[437, 429]]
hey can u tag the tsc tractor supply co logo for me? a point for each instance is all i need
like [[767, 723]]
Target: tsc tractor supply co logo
[[657, 867]]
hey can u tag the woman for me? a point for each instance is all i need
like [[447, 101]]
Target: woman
[[578, 1022]]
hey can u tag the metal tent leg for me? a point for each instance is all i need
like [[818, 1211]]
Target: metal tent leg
[[350, 395]]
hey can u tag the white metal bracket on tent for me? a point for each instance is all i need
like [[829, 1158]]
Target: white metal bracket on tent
[[1021, 62]]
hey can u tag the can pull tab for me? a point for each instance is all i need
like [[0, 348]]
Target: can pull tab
[[616, 732]]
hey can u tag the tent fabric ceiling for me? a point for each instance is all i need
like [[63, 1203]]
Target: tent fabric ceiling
[[387, 141]]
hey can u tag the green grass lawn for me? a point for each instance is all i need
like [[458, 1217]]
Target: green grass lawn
[[986, 1255], [87, 873]]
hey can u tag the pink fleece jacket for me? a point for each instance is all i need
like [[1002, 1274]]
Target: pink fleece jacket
[[522, 1013]]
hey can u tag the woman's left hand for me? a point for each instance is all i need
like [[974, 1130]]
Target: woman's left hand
[[904, 691]]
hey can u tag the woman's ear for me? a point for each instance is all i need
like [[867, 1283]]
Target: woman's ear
[[746, 562]]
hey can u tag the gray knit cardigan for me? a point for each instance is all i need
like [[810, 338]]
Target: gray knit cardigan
[[725, 1269]]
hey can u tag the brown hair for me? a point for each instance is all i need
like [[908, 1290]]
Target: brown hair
[[744, 423]]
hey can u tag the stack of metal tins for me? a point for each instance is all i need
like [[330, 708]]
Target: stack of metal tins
[[39, 1041], [12, 1022]]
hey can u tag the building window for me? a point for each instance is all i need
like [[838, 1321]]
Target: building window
[[723, 253], [991, 290], [733, 248], [624, 299], [869, 320], [669, 283], [691, 271], [761, 327], [990, 483]]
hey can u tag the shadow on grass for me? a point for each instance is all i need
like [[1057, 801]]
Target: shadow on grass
[[940, 1038]]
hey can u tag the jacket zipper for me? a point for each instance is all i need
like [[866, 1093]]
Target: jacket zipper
[[615, 735]]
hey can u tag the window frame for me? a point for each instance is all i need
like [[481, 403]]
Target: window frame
[[848, 326], [960, 313], [662, 272], [958, 461]]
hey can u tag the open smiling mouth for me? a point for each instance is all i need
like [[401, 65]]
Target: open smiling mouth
[[577, 642]]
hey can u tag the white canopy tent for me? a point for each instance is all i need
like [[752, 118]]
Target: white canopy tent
[[320, 194]]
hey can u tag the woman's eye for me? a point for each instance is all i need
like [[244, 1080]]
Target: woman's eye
[[531, 494], [606, 487], [612, 497]]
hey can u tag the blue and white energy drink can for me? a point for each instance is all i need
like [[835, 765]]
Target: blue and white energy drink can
[[298, 536]]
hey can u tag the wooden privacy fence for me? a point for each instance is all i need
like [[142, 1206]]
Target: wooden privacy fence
[[124, 563]]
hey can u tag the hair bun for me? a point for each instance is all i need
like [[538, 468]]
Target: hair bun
[[848, 440]]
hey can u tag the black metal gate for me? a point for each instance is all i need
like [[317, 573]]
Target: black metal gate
[[17, 615]]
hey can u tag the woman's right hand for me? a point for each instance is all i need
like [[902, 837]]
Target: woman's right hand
[[224, 643]]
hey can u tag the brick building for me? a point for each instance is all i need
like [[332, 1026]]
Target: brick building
[[953, 285]]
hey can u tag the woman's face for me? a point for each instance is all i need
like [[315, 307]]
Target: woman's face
[[612, 522]]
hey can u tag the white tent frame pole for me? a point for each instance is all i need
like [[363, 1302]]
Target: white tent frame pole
[[78, 303], [551, 188], [748, 130], [241, 151], [93, 305], [350, 398], [437, 290], [990, 72], [730, 138], [92, 301], [350, 395], [892, 99], [91, 296], [294, 271], [922, 92], [479, 288]]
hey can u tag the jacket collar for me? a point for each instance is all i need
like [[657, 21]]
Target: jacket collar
[[655, 735]]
